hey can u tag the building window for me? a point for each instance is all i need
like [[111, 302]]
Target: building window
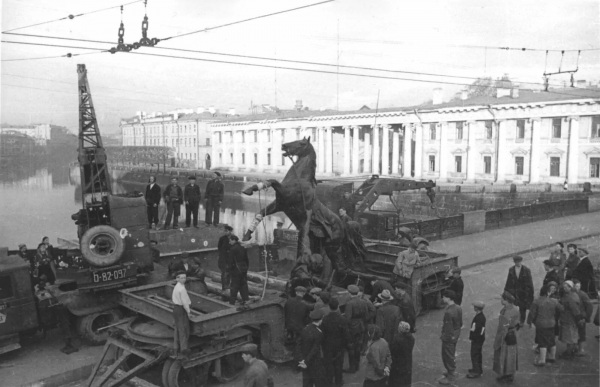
[[231, 158], [487, 165], [243, 136], [458, 163], [596, 127], [459, 130], [556, 124], [554, 166], [489, 131], [431, 163], [519, 161], [194, 142], [256, 159], [432, 131], [256, 136], [268, 159], [243, 159], [520, 128], [220, 138], [220, 157], [208, 142], [594, 166], [269, 137]]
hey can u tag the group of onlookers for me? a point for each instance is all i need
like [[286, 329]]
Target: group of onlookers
[[42, 265]]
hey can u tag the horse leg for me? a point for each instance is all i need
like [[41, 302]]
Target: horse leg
[[256, 187], [303, 238], [270, 209]]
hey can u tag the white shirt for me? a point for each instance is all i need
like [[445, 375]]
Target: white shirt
[[180, 297], [151, 185], [517, 271]]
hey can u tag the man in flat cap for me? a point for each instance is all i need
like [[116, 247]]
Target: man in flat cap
[[519, 283], [214, 197], [356, 312], [336, 337], [451, 327], [388, 316], [257, 374], [456, 284], [477, 338], [191, 196], [181, 313], [223, 248], [296, 314], [173, 198], [309, 352], [238, 265], [551, 272], [403, 300]]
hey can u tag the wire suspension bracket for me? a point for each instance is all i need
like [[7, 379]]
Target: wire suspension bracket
[[547, 75]]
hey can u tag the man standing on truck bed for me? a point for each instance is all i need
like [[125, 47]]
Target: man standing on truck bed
[[238, 267], [152, 201], [405, 264], [181, 312], [191, 196], [173, 197], [214, 198], [223, 247]]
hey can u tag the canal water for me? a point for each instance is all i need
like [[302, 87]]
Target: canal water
[[38, 197]]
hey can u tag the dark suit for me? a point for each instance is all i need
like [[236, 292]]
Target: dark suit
[[296, 316], [152, 199], [457, 286], [336, 336], [238, 267], [191, 197], [173, 197], [551, 276], [309, 350], [477, 337], [407, 309], [214, 197], [357, 313], [223, 248], [387, 319], [521, 288]]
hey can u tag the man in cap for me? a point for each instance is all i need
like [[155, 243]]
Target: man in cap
[[257, 373], [356, 312], [451, 327], [477, 338], [154, 251], [457, 285], [378, 286], [315, 293], [27, 258], [551, 273], [186, 265], [404, 301], [519, 283], [214, 198], [223, 248], [405, 264], [344, 216], [336, 338], [323, 303], [238, 267], [388, 316], [152, 201], [191, 196], [571, 319], [181, 312], [309, 352], [296, 314], [173, 197]]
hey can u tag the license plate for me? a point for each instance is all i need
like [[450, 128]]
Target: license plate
[[3, 306], [109, 275]]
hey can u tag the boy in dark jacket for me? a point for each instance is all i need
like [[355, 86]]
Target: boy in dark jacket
[[457, 285], [477, 337]]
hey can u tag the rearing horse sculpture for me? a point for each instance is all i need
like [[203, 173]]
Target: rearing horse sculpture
[[320, 230]]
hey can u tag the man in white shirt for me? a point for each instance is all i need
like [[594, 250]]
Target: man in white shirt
[[181, 312]]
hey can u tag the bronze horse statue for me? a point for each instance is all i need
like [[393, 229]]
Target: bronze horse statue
[[320, 230]]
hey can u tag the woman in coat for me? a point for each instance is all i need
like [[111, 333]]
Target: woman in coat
[[506, 355], [401, 349], [378, 359], [584, 272]]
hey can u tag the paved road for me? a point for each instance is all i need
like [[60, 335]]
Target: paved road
[[488, 246]]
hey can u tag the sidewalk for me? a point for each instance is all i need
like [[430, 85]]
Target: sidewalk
[[490, 246]]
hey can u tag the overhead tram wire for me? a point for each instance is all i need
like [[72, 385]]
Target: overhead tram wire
[[67, 55], [270, 59], [71, 16], [247, 20], [277, 67]]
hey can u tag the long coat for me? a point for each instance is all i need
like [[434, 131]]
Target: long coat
[[336, 332], [401, 349], [522, 287], [506, 357], [296, 314], [584, 272], [152, 195], [387, 318], [223, 247]]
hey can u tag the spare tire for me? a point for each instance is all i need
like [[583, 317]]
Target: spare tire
[[102, 246]]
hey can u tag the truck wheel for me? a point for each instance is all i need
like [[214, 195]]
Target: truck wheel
[[231, 367], [102, 246], [165, 372], [192, 377], [88, 326]]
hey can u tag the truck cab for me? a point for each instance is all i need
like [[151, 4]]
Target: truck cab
[[18, 312]]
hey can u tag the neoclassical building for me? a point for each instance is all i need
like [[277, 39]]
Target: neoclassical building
[[517, 136]]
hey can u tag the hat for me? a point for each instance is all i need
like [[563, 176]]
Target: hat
[[517, 258], [400, 285], [316, 291], [549, 262], [509, 297], [217, 173], [552, 283], [228, 227], [179, 272], [353, 289], [457, 270], [479, 305], [334, 303], [317, 258], [413, 246], [300, 289], [185, 254], [403, 327], [192, 177], [316, 314], [570, 283], [385, 295], [21, 245], [249, 349], [449, 294]]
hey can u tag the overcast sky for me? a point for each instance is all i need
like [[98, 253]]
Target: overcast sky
[[417, 36]]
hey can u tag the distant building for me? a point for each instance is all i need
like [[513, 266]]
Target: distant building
[[14, 144], [40, 133], [519, 136]]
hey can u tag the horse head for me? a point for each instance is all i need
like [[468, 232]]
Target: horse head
[[298, 148]]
